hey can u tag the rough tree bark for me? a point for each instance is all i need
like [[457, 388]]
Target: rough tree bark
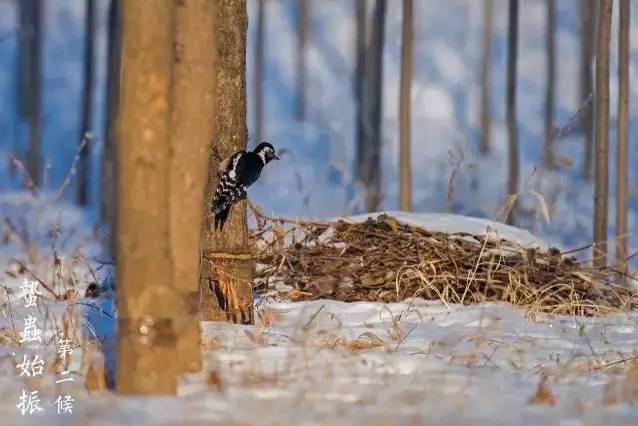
[[30, 43], [512, 57], [303, 29], [114, 52], [84, 162], [225, 284], [369, 146], [601, 186], [587, 36], [147, 312], [192, 114], [548, 155], [622, 152], [258, 73], [486, 65], [405, 167]]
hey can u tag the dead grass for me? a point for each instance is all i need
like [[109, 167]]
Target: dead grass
[[387, 261], [361, 343]]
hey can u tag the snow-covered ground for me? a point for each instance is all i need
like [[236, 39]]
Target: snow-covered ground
[[328, 362], [416, 362]]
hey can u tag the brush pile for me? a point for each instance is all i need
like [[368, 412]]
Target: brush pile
[[384, 260]]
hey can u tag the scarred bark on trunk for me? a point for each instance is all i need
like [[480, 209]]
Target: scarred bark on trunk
[[226, 268]]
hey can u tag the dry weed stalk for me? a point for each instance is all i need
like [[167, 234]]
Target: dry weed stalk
[[387, 261]]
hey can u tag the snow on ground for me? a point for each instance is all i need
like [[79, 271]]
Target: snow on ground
[[328, 362]]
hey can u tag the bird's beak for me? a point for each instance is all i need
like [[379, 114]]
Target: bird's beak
[[276, 158]]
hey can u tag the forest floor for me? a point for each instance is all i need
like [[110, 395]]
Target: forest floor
[[315, 361]]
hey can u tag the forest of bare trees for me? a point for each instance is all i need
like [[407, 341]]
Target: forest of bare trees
[[176, 105]]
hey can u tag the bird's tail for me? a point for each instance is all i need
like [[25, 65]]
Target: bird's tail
[[223, 202]]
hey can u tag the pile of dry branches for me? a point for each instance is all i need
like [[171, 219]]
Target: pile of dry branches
[[385, 260]]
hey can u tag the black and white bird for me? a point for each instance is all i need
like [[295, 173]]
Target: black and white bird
[[237, 173]]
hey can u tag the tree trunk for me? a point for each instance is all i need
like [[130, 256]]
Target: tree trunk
[[359, 77], [226, 268], [147, 308], [258, 73], [587, 35], [114, 52], [369, 147], [622, 153], [548, 157], [30, 42], [23, 57], [303, 28], [84, 175], [486, 66], [192, 114], [407, 37], [601, 187], [512, 56]]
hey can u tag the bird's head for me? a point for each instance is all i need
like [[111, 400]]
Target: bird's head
[[266, 152]]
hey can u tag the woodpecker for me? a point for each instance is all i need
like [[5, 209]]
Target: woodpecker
[[237, 173]]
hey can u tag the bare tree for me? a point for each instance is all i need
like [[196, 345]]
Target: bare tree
[[369, 146], [192, 114], [601, 186], [622, 152], [225, 270], [486, 65], [359, 73], [587, 35], [303, 24], [114, 51], [548, 157], [512, 57], [258, 73], [147, 312], [87, 106], [30, 81], [405, 168]]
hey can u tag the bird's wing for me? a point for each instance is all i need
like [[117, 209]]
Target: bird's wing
[[224, 165], [230, 188]]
